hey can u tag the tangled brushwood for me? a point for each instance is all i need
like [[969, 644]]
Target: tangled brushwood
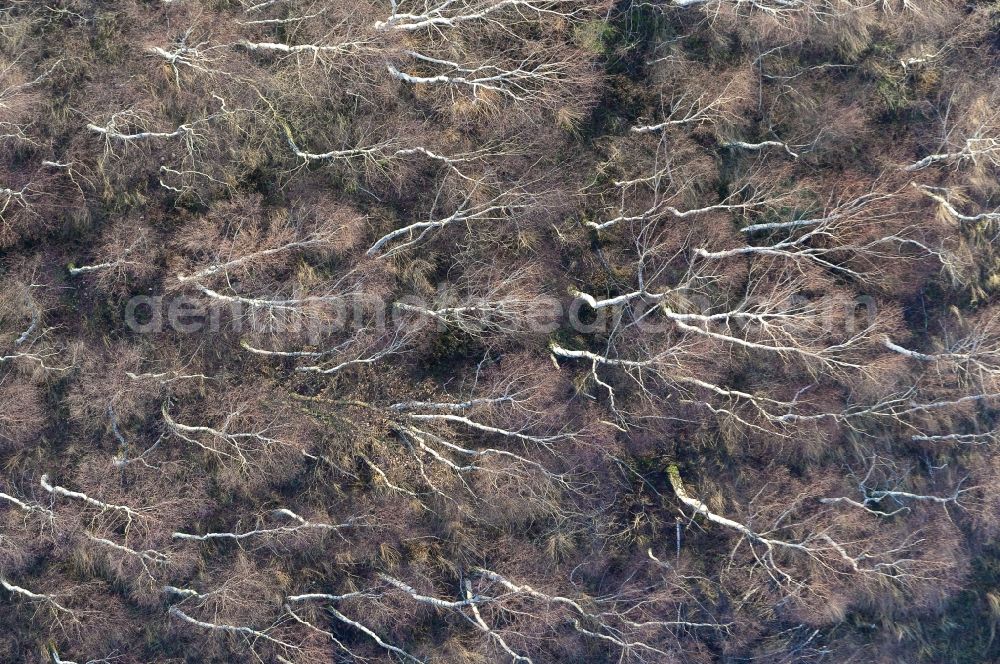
[[518, 331]]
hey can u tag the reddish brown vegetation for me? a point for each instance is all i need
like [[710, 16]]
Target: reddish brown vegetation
[[495, 330]]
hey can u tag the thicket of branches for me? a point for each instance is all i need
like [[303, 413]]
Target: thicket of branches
[[499, 330]]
